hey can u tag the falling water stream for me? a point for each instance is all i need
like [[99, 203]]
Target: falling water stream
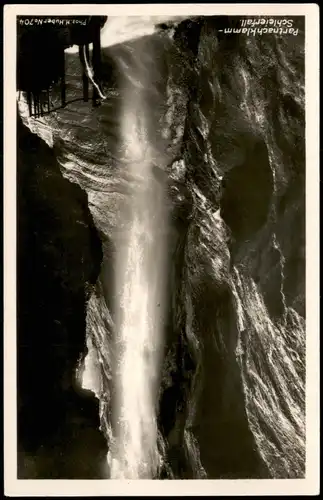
[[139, 287]]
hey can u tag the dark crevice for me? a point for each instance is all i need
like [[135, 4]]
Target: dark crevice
[[59, 257]]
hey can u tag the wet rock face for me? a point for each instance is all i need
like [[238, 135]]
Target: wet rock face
[[59, 258], [226, 127]]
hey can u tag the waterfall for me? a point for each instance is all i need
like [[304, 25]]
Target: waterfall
[[139, 298]]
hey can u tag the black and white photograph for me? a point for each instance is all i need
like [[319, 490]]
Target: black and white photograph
[[161, 322]]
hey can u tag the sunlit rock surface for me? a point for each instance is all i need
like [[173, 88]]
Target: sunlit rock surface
[[224, 126]]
